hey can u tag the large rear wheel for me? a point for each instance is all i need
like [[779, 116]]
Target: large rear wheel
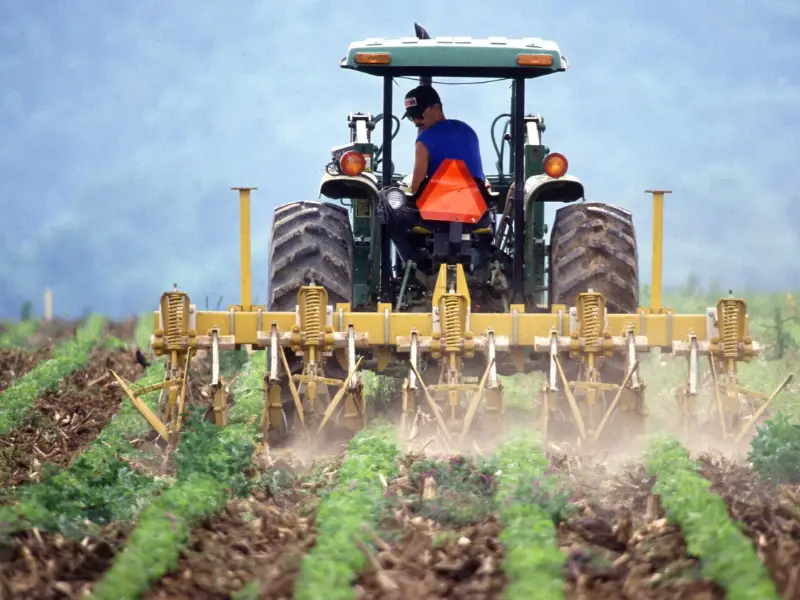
[[593, 246], [311, 241]]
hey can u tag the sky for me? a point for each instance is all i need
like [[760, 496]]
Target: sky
[[125, 124]]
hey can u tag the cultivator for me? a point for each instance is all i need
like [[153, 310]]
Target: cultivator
[[575, 340], [453, 286]]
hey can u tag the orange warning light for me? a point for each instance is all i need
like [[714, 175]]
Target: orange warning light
[[452, 195], [555, 165]]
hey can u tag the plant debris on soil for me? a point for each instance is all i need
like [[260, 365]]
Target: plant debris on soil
[[438, 536], [616, 544], [770, 518], [436, 562], [63, 422], [255, 540], [16, 362], [619, 545], [46, 566]]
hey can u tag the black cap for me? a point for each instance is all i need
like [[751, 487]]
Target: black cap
[[420, 98]]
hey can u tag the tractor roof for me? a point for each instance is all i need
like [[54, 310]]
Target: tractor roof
[[495, 57]]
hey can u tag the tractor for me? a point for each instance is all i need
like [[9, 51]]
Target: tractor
[[451, 287], [382, 244]]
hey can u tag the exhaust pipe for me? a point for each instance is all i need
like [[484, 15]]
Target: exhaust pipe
[[422, 34]]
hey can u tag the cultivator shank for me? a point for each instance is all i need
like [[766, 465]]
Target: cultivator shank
[[175, 338], [737, 408]]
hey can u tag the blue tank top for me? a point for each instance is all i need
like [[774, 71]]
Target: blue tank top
[[451, 138]]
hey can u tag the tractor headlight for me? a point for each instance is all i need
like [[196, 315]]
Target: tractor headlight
[[396, 198]]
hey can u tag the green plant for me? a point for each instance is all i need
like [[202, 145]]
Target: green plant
[[17, 335], [97, 489], [27, 310], [464, 489], [529, 503], [211, 463], [347, 513], [153, 548], [67, 358], [775, 451], [728, 557]]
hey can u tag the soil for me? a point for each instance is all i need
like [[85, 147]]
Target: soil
[[260, 539], [435, 562], [16, 362], [42, 566], [65, 421], [616, 544], [53, 332], [619, 545], [124, 330]]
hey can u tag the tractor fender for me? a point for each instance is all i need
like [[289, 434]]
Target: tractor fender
[[338, 187], [543, 188]]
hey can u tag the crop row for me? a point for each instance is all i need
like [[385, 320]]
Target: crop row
[[212, 464], [66, 358], [17, 334], [728, 557], [529, 504], [350, 511]]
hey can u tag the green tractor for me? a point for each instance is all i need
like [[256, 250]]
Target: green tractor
[[369, 244]]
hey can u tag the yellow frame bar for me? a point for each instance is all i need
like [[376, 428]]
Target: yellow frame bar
[[658, 248], [244, 246], [242, 327]]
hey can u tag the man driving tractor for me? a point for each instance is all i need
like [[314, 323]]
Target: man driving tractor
[[439, 138]]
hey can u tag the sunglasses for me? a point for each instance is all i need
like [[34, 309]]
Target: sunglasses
[[418, 116]]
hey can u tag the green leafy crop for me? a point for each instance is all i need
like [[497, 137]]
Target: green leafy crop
[[464, 489], [349, 512], [727, 556], [775, 451], [211, 464], [529, 503]]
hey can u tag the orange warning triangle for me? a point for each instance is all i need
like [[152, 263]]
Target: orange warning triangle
[[452, 195]]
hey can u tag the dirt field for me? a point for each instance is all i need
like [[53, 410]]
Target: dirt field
[[617, 544]]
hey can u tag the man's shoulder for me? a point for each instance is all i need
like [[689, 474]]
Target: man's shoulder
[[449, 126], [458, 124]]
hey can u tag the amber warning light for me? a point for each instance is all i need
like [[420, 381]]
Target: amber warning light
[[555, 165], [352, 163], [373, 58], [452, 195]]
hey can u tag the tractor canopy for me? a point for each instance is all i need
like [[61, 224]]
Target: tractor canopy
[[496, 57]]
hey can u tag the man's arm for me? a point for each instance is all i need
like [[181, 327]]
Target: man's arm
[[420, 166]]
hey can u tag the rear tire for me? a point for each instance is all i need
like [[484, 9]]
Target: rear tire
[[311, 241], [593, 246]]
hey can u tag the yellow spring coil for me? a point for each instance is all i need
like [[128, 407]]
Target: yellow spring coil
[[174, 321], [591, 326], [313, 326], [452, 323], [729, 333]]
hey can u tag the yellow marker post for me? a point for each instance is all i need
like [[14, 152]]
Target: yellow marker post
[[48, 304], [658, 248], [244, 244]]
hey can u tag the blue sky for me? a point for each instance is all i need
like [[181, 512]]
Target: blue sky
[[124, 124]]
